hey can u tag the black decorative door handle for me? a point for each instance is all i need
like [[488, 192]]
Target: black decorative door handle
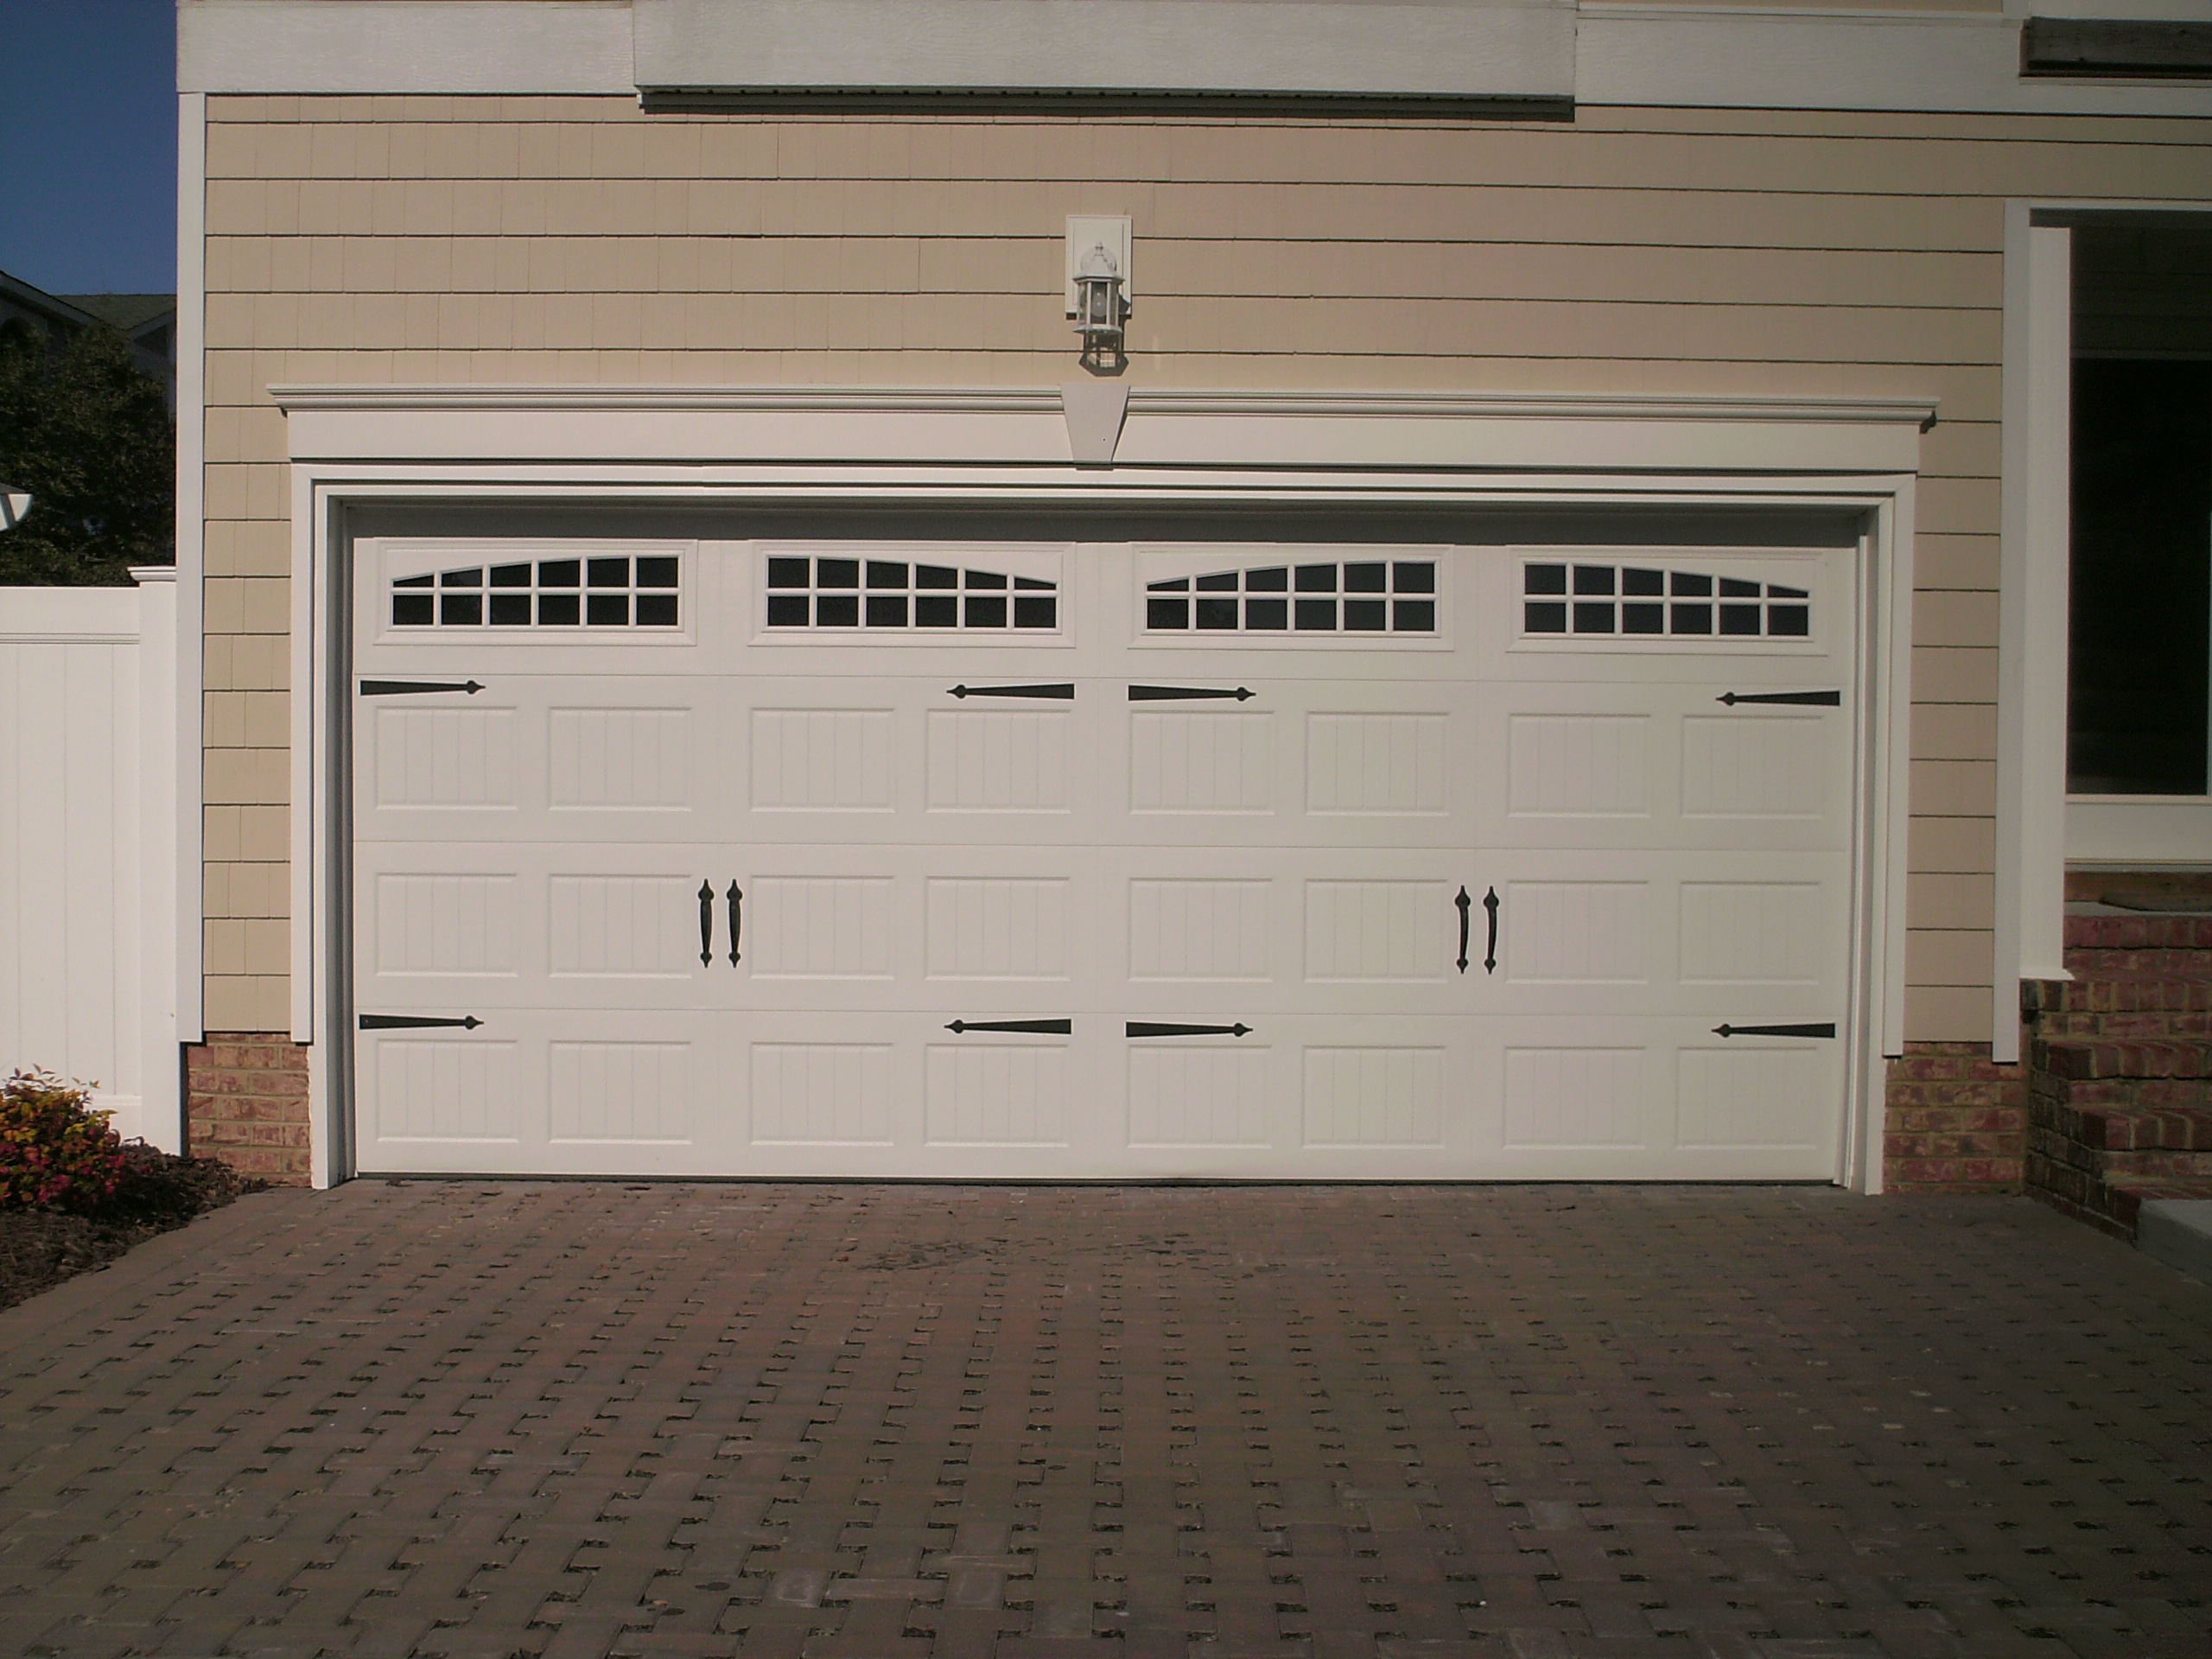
[[1186, 693], [1808, 699], [706, 923], [1039, 1028], [1490, 956], [1064, 692], [736, 920], [1464, 904], [416, 1021], [1825, 1029], [397, 687], [1157, 1028]]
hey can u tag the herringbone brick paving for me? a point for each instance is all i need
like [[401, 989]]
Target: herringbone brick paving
[[875, 1422]]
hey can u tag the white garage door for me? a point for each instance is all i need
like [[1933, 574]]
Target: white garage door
[[986, 859]]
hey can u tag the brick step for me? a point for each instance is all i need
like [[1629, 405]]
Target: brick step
[[2114, 1207], [2057, 1151], [2118, 991], [2149, 962], [2081, 1059], [2143, 932], [2148, 889], [2112, 1128], [2124, 1028]]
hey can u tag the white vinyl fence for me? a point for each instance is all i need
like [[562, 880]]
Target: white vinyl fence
[[88, 948]]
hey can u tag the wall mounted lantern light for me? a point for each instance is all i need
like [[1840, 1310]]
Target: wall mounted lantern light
[[1098, 288]]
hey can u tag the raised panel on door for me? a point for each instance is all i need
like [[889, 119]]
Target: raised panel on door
[[1592, 765], [538, 758], [1762, 935], [1648, 1098], [1313, 1096], [545, 1091], [460, 927], [902, 759], [927, 927], [1301, 761], [1270, 929], [905, 1094]]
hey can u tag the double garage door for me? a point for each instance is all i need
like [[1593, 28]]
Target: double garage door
[[1032, 860]]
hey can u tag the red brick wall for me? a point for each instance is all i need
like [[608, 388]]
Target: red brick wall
[[1956, 1122], [247, 1102]]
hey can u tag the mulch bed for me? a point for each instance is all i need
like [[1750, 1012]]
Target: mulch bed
[[38, 1249]]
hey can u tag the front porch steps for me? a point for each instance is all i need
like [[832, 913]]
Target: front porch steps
[[2119, 1074]]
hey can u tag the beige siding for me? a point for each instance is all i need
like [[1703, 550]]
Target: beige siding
[[455, 239]]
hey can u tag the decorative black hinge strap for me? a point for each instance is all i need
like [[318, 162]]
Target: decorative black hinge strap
[[397, 687], [1490, 956], [415, 1021], [1155, 1028], [706, 923], [1465, 904], [1806, 699], [1824, 1029], [1063, 693], [1186, 693], [736, 920], [1039, 1027]]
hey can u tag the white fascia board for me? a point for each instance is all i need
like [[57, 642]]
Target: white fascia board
[[1392, 431], [1709, 58], [403, 46], [1457, 49]]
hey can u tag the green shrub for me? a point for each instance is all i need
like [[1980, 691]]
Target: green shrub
[[56, 1152]]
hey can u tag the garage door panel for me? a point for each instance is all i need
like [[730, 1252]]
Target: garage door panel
[[535, 759], [1271, 929], [1598, 766], [1379, 1096], [545, 1089], [461, 928], [903, 1094], [1349, 762], [1638, 1098], [1766, 936]]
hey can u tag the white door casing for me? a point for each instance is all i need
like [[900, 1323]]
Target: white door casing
[[1270, 832], [684, 449]]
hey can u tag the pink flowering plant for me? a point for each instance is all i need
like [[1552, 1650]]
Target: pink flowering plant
[[56, 1151]]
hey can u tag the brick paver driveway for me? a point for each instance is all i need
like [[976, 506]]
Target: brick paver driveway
[[864, 1422]]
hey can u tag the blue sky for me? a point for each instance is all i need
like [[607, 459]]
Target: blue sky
[[88, 145]]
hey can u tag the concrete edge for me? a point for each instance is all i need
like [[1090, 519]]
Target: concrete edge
[[2178, 1232]]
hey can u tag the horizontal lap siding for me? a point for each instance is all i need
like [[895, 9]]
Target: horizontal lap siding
[[444, 239]]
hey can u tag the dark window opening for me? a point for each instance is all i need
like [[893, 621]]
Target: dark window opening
[[2139, 657]]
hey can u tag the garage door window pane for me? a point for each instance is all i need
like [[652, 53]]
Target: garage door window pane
[[890, 595], [1601, 600], [606, 593], [1330, 598]]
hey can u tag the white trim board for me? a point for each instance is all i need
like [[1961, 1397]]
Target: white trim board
[[2132, 831], [1692, 57], [1398, 431], [1454, 49], [2032, 607], [191, 559], [1018, 457]]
